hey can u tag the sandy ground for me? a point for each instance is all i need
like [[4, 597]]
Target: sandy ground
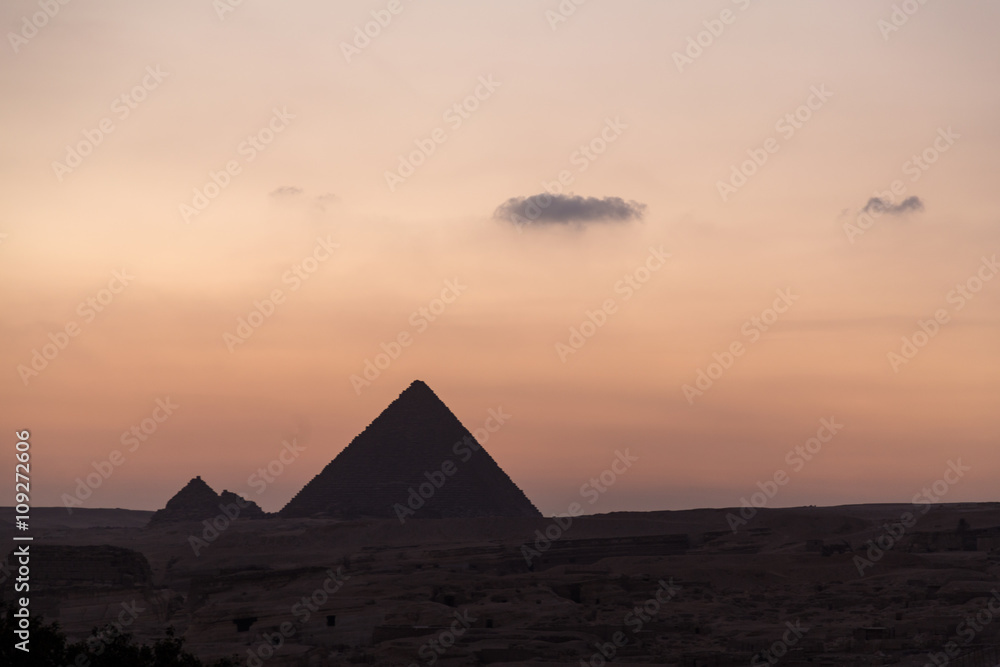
[[676, 588]]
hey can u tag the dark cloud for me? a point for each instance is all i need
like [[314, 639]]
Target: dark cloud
[[545, 209], [881, 206], [286, 191]]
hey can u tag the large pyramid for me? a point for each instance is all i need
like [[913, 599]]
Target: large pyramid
[[416, 435]]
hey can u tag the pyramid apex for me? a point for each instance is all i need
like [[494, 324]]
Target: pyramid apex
[[418, 388]]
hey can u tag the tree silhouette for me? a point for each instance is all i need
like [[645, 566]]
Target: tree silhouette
[[106, 647]]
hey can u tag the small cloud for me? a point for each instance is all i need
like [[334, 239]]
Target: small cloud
[[881, 206], [547, 209], [324, 200], [287, 191]]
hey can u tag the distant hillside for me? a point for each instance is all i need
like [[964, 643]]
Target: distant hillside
[[50, 518]]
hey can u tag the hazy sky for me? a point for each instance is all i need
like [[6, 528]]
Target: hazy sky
[[119, 118]]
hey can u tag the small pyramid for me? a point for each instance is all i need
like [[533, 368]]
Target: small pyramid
[[413, 437], [248, 508], [197, 501], [196, 494]]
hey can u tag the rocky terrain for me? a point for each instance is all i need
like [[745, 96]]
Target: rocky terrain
[[413, 547], [819, 586]]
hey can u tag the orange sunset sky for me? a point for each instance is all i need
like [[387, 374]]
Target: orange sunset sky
[[747, 158]]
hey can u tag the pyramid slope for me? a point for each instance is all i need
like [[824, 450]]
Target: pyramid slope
[[415, 435]]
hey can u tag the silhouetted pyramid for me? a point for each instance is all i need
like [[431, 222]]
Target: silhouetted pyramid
[[197, 501], [196, 495], [415, 435], [248, 508]]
